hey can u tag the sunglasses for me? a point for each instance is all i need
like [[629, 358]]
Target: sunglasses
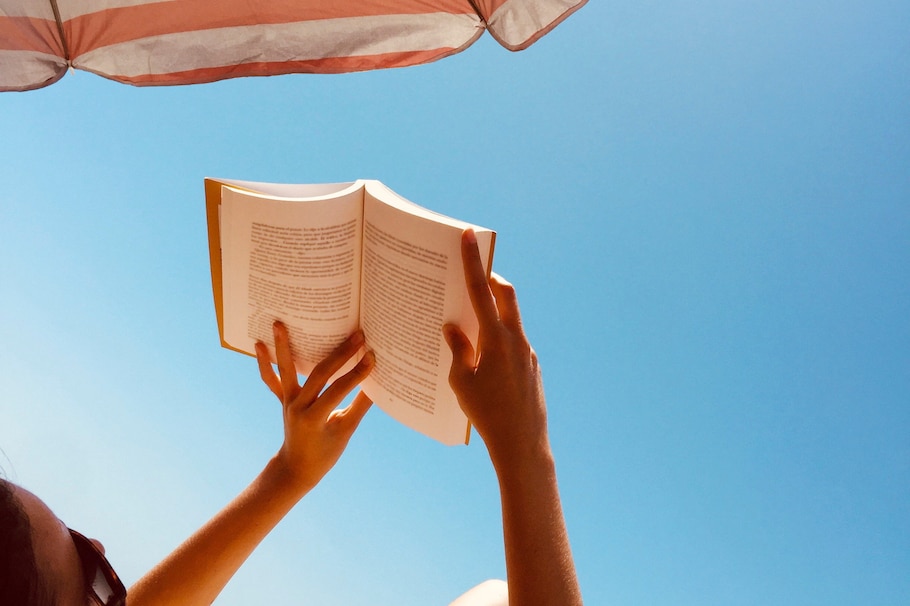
[[104, 586]]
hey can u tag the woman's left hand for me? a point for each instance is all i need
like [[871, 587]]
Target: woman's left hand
[[316, 432]]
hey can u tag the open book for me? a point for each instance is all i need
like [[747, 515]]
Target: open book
[[329, 259]]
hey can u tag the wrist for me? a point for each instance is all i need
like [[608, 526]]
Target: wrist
[[284, 479], [523, 459]]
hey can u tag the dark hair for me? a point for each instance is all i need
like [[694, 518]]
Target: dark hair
[[20, 582]]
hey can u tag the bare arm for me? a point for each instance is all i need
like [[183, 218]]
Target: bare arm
[[315, 436], [502, 394]]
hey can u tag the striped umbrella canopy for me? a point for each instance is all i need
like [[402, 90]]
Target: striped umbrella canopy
[[145, 42]]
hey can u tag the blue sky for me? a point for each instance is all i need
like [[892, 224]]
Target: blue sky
[[704, 208]]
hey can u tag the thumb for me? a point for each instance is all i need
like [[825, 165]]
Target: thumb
[[350, 417], [462, 353]]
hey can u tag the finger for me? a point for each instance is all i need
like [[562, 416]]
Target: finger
[[349, 418], [463, 356], [286, 369], [265, 369], [343, 385], [476, 280], [329, 365], [506, 302]]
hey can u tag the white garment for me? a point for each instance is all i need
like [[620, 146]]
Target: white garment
[[489, 593]]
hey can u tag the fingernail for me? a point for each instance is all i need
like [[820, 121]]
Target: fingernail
[[470, 236], [357, 338]]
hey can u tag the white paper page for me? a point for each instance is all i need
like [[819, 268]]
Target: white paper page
[[422, 280], [294, 190], [379, 190], [291, 260]]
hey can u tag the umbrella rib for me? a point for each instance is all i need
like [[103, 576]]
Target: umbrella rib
[[66, 52], [473, 4]]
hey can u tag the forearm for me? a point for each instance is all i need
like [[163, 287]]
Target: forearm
[[198, 570], [539, 561]]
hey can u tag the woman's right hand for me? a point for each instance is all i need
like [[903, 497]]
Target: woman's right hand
[[501, 392]]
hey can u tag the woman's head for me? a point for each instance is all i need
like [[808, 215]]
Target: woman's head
[[19, 577], [39, 563]]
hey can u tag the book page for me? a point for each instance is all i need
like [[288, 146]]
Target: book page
[[291, 190], [413, 283], [294, 260]]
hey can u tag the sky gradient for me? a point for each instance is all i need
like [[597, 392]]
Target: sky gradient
[[705, 209]]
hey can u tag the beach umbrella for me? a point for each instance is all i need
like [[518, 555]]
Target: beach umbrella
[[164, 42]]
